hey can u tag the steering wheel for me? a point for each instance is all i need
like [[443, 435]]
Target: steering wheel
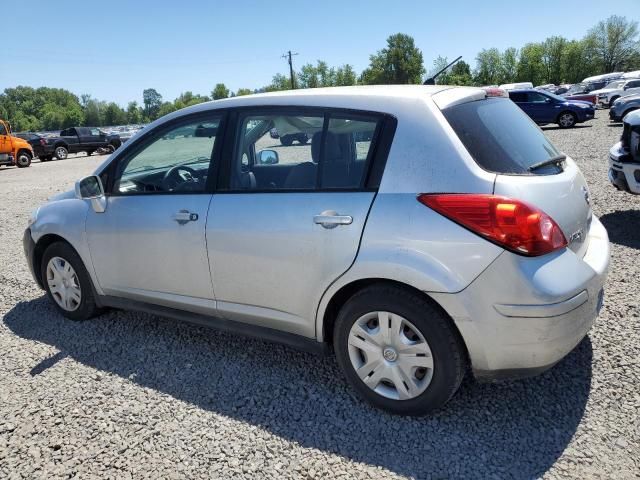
[[179, 176]]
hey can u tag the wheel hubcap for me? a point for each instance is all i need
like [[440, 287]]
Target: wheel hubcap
[[390, 355], [60, 153], [63, 284], [566, 120]]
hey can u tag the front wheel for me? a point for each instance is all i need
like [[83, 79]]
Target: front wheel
[[23, 160], [612, 101], [567, 120], [400, 352], [67, 282], [61, 153]]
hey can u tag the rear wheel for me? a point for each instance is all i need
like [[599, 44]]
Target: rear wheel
[[61, 152], [67, 282], [613, 99], [303, 139], [23, 159], [89, 152], [398, 351], [567, 119]]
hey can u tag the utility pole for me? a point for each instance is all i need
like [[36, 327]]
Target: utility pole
[[288, 56]]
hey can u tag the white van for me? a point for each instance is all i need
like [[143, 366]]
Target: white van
[[516, 86]]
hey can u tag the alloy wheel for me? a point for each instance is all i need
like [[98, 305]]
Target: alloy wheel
[[566, 120], [390, 355], [61, 153], [63, 284]]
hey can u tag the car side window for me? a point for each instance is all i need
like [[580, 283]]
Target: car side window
[[534, 97], [95, 132], [3, 131], [173, 160], [518, 97], [633, 84], [347, 148], [277, 152], [303, 152]]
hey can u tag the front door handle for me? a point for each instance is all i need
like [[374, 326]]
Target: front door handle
[[331, 219], [185, 216]]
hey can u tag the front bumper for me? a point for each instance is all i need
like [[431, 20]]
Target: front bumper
[[614, 116], [624, 172], [29, 252], [523, 315]]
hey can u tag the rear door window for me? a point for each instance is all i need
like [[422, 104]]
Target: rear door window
[[501, 137]]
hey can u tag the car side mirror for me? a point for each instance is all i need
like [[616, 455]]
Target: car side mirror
[[90, 188], [268, 157]]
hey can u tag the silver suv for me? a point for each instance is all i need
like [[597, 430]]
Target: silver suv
[[421, 232]]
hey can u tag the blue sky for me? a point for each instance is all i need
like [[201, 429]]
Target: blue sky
[[115, 49]]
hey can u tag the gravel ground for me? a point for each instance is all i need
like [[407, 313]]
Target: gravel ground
[[130, 395]]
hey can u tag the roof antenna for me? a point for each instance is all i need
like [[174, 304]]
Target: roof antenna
[[432, 79]]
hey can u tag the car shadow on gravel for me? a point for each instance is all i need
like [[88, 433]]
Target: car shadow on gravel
[[511, 429], [623, 227]]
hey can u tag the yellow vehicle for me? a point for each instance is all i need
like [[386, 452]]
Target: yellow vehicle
[[13, 150]]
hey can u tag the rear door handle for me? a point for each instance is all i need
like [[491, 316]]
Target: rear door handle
[[331, 219], [185, 216]]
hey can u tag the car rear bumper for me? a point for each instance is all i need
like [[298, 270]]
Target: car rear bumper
[[523, 315]]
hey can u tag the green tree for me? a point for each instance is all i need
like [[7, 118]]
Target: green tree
[[134, 113], [220, 91], [553, 52], [530, 66], [152, 101], [399, 63], [92, 112], [509, 65], [489, 67], [345, 76], [279, 82], [614, 43], [114, 115], [243, 91]]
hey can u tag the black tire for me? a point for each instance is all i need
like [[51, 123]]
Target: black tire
[[446, 346], [23, 160], [61, 152], [45, 159], [303, 139], [287, 140], [87, 307], [110, 149], [571, 117], [613, 99], [89, 152]]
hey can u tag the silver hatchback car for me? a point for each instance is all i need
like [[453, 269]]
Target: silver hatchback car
[[418, 231]]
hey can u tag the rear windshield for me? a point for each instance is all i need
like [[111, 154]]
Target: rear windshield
[[501, 137]]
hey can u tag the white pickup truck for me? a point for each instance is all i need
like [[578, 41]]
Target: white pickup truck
[[616, 89]]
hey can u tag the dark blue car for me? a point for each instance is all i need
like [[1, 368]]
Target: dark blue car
[[544, 107]]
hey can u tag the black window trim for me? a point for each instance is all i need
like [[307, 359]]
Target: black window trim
[[376, 160], [153, 134]]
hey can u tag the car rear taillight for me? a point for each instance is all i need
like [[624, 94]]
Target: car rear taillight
[[495, 92], [511, 224]]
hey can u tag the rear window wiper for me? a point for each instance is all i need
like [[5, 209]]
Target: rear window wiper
[[549, 161]]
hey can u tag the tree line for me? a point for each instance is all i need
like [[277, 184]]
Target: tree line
[[611, 45]]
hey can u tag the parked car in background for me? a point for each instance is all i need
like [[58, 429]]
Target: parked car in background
[[581, 91], [13, 150], [623, 106], [616, 89], [544, 107], [79, 139], [624, 157], [516, 86], [340, 242], [288, 139], [36, 141]]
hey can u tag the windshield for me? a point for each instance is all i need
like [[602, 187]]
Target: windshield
[[577, 89], [501, 137], [615, 84], [556, 97]]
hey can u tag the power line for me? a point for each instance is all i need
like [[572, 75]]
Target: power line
[[288, 56]]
